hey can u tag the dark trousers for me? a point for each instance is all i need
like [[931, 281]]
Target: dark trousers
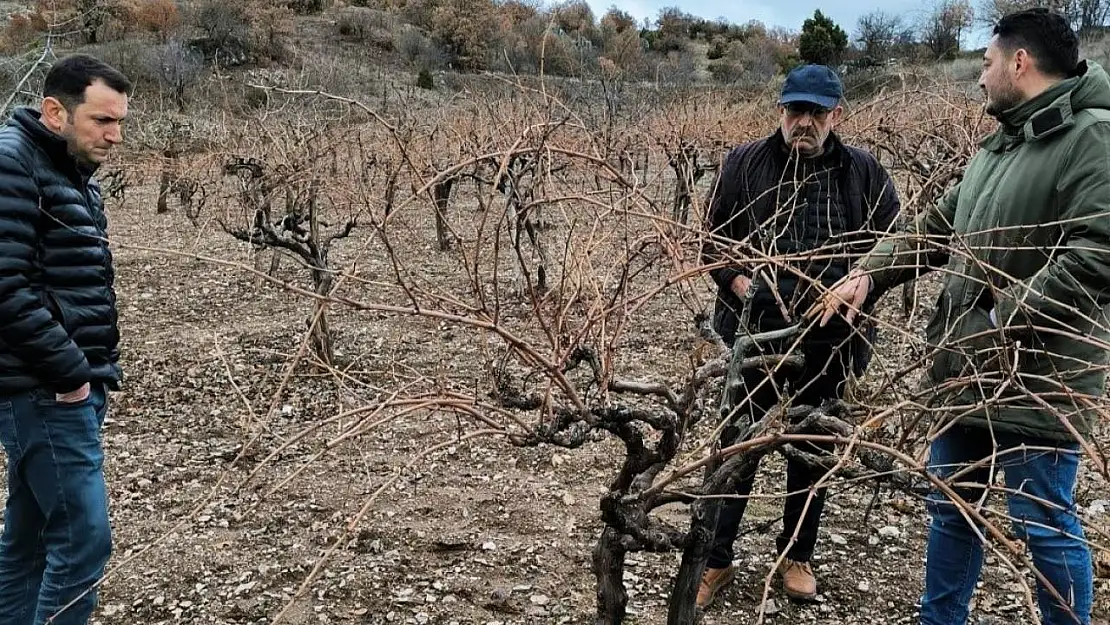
[[823, 378]]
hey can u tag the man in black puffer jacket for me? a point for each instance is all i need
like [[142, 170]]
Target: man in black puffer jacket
[[58, 343], [814, 204]]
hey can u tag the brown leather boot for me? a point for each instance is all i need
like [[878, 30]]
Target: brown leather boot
[[798, 580], [712, 581]]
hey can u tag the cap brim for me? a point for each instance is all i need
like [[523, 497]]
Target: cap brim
[[820, 100]]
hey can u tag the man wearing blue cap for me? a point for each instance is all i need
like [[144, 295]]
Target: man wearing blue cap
[[803, 197]]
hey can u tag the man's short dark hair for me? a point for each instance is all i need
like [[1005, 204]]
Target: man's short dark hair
[[69, 77], [1046, 35]]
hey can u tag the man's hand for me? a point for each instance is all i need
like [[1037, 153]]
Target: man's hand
[[73, 397], [849, 293], [741, 285]]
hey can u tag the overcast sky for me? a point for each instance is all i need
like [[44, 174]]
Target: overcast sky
[[789, 14]]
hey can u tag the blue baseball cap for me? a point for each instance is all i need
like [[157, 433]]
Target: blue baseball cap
[[812, 83]]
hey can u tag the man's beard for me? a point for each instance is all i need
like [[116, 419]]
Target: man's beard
[[1005, 99], [84, 159]]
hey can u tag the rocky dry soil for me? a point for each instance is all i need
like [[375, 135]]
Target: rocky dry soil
[[476, 533]]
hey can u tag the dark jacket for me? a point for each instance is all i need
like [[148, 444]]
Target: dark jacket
[[58, 320], [745, 195]]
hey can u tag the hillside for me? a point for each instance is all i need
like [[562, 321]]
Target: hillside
[[171, 47]]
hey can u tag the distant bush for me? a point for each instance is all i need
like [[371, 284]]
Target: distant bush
[[419, 13], [864, 83], [679, 68], [177, 68], [221, 21], [717, 49], [21, 30], [726, 71], [625, 50], [417, 49], [130, 56], [466, 30], [226, 31], [304, 7], [159, 17], [370, 26], [424, 80], [269, 27], [748, 63]]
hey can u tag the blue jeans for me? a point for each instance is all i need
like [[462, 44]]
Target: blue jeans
[[954, 555], [56, 538]]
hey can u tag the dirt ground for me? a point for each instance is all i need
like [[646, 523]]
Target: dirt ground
[[478, 533]]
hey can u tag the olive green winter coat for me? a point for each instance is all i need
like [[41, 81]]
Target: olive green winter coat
[[1027, 234]]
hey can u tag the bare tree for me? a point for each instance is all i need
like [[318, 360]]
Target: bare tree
[[170, 138], [877, 32], [944, 27], [177, 67], [689, 166], [1089, 16], [519, 182], [283, 202], [1086, 16]]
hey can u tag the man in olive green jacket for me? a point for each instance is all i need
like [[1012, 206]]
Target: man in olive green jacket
[[1019, 336]]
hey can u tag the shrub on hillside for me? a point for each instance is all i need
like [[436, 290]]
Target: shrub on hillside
[[370, 26], [465, 29], [419, 13], [304, 7], [226, 31], [521, 46], [748, 63], [726, 70], [516, 12], [74, 21], [679, 68], [269, 27], [626, 50], [416, 49], [569, 56], [176, 68], [159, 17], [130, 56], [718, 48], [575, 18], [21, 30]]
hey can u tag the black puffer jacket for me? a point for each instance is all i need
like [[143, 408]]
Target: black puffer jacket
[[58, 321], [758, 176]]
